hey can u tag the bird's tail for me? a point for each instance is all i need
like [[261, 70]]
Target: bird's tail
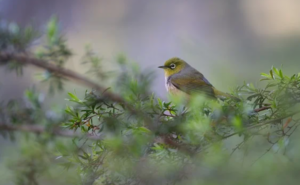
[[221, 95]]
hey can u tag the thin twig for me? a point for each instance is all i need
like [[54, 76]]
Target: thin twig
[[239, 145], [259, 125], [263, 154]]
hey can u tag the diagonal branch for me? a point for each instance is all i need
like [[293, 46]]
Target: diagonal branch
[[25, 59], [262, 109], [40, 63]]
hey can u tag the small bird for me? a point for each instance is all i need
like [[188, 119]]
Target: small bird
[[181, 77]]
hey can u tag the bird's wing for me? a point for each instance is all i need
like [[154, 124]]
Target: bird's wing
[[193, 84]]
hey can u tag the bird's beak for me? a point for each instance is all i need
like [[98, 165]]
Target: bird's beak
[[162, 67]]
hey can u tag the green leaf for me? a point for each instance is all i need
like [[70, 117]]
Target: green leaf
[[160, 103], [83, 129], [280, 74], [271, 73], [264, 79], [52, 29], [237, 123], [275, 70], [74, 97], [173, 112], [292, 77], [144, 129], [166, 105], [266, 75], [69, 110]]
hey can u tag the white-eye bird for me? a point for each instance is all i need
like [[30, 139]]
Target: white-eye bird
[[181, 77]]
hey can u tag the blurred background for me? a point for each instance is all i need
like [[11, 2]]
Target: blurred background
[[229, 41]]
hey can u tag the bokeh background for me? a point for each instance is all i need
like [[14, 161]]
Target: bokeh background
[[229, 41]]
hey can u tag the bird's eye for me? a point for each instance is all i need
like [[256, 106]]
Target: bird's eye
[[172, 66]]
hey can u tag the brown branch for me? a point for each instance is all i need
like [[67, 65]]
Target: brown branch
[[40, 63], [262, 108], [25, 59], [42, 130]]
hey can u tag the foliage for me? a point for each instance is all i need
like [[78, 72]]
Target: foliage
[[16, 39], [144, 139]]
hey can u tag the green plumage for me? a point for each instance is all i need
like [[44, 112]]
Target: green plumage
[[181, 77], [192, 85]]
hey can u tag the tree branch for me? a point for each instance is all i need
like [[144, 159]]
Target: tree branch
[[262, 109], [25, 59]]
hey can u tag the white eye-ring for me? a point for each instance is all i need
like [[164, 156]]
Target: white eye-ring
[[172, 66]]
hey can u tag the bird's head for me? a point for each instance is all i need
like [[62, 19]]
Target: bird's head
[[173, 66]]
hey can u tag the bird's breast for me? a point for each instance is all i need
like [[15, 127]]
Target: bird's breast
[[171, 88]]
